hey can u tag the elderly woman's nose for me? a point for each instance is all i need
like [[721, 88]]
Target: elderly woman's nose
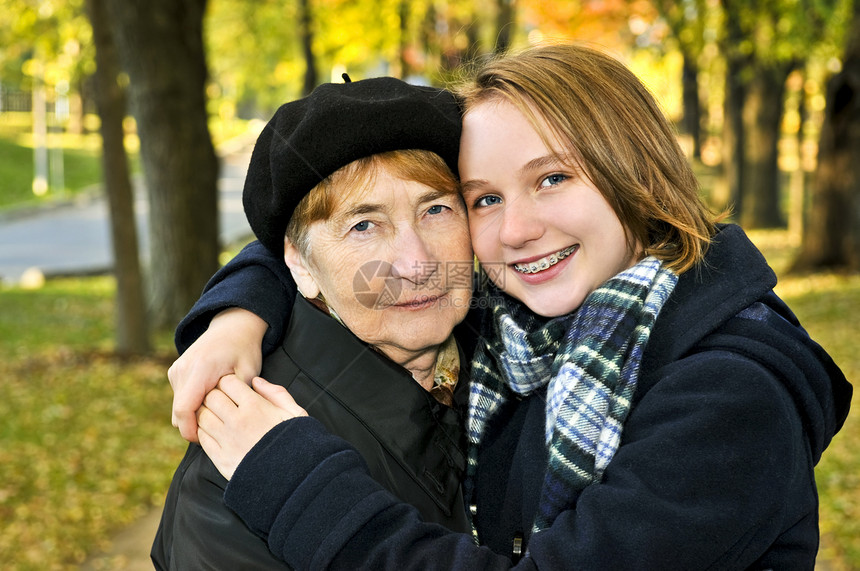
[[413, 259]]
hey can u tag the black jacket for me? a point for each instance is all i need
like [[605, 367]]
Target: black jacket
[[411, 444], [734, 407]]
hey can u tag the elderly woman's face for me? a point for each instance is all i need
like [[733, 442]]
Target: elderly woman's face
[[395, 263]]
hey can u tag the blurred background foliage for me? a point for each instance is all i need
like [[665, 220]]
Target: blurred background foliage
[[256, 60], [87, 446]]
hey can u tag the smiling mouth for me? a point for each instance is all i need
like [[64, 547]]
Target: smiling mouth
[[545, 262], [418, 303]]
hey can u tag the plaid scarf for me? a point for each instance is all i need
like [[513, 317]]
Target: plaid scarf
[[589, 362]]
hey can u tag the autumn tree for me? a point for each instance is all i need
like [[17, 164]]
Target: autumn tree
[[263, 66], [505, 24], [686, 20], [160, 43], [43, 48], [831, 237], [131, 317], [50, 44], [763, 43], [306, 35]]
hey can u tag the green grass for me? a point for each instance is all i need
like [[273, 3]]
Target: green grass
[[87, 444], [15, 182], [81, 158], [72, 314], [87, 441]]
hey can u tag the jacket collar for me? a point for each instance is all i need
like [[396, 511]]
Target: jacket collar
[[404, 418], [733, 275]]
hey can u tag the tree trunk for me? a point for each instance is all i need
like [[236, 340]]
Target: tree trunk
[[131, 319], [797, 178], [691, 124], [831, 237], [428, 40], [473, 37], [161, 47], [504, 25], [403, 42], [762, 115], [733, 135], [306, 34]]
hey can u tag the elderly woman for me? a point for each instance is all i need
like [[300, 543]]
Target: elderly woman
[[353, 185]]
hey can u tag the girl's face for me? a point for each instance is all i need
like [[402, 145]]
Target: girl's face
[[542, 230]]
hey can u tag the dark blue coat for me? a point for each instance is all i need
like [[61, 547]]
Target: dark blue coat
[[734, 406]]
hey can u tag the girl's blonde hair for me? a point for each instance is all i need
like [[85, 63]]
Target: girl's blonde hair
[[618, 135]]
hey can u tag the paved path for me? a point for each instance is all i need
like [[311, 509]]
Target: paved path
[[73, 237], [129, 549]]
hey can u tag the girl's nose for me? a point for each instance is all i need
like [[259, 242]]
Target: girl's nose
[[520, 224]]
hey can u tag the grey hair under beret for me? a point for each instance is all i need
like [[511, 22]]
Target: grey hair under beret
[[310, 138]]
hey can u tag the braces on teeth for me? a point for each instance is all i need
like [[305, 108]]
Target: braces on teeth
[[545, 263]]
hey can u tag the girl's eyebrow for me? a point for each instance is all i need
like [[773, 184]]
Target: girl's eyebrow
[[472, 185], [550, 160]]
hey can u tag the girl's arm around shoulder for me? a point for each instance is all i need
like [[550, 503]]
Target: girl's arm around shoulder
[[250, 297], [325, 511], [256, 280], [711, 471]]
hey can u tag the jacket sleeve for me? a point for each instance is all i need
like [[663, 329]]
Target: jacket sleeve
[[709, 463], [255, 280], [326, 512]]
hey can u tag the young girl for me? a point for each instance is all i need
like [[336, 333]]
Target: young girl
[[640, 398]]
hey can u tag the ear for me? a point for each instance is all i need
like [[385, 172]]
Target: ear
[[308, 286]]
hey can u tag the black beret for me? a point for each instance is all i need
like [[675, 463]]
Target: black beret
[[310, 138]]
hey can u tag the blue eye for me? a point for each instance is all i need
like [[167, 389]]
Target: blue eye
[[553, 180], [435, 209], [361, 226], [488, 200]]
